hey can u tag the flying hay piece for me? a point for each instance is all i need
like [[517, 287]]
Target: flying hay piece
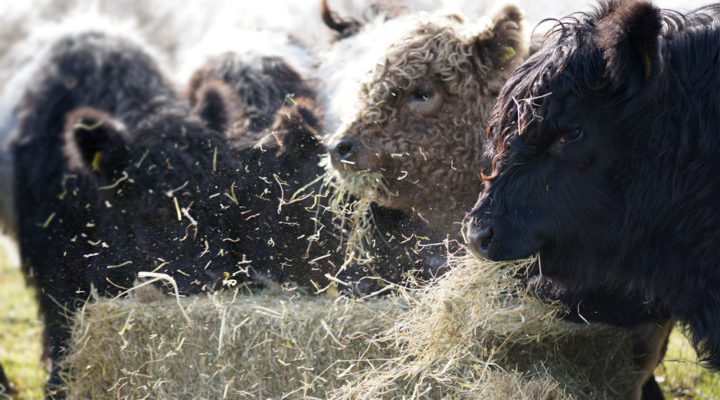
[[471, 334]]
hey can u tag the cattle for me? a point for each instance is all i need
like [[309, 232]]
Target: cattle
[[416, 113], [292, 235], [114, 175], [605, 151], [263, 82], [405, 112]]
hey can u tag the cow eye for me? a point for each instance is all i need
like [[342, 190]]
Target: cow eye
[[424, 100], [421, 95], [573, 136]]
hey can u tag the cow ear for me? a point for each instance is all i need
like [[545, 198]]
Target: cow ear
[[343, 27], [297, 127], [629, 38], [95, 142], [503, 45], [217, 104]]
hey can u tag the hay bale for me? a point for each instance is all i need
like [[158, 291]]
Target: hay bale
[[254, 346], [471, 334]]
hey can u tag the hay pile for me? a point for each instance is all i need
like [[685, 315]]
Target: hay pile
[[471, 335], [264, 345], [475, 335]]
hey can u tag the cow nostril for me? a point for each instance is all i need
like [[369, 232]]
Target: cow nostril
[[485, 243], [480, 239], [343, 148]]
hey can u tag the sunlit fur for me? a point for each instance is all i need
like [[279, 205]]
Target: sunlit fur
[[632, 205]]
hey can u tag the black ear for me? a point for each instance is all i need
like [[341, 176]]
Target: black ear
[[217, 104], [297, 127], [503, 45], [95, 142], [629, 37], [343, 27]]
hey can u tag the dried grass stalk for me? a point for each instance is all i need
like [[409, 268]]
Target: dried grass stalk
[[474, 334]]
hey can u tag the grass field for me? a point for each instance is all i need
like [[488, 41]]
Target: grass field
[[20, 331], [680, 375]]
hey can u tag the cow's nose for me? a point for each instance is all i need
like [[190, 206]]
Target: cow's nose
[[342, 149], [480, 237]]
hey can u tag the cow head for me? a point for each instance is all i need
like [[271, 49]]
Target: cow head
[[417, 118], [161, 193], [562, 141]]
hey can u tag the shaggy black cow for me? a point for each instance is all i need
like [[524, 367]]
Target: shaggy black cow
[[291, 234], [113, 176], [606, 152], [274, 138]]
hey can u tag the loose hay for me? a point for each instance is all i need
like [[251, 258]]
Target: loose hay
[[470, 335]]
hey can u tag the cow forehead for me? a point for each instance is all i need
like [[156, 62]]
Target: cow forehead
[[546, 91]]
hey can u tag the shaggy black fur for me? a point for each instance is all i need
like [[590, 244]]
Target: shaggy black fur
[[113, 176], [295, 240], [606, 147]]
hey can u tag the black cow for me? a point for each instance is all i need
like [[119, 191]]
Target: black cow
[[606, 147], [113, 175]]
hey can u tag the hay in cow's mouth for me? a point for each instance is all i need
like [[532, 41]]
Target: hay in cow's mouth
[[350, 197]]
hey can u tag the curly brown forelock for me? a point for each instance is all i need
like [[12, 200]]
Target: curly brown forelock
[[428, 50]]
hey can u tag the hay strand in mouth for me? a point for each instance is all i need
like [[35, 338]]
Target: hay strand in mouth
[[350, 197]]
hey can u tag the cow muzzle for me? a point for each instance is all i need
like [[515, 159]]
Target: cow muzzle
[[343, 153], [480, 235]]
